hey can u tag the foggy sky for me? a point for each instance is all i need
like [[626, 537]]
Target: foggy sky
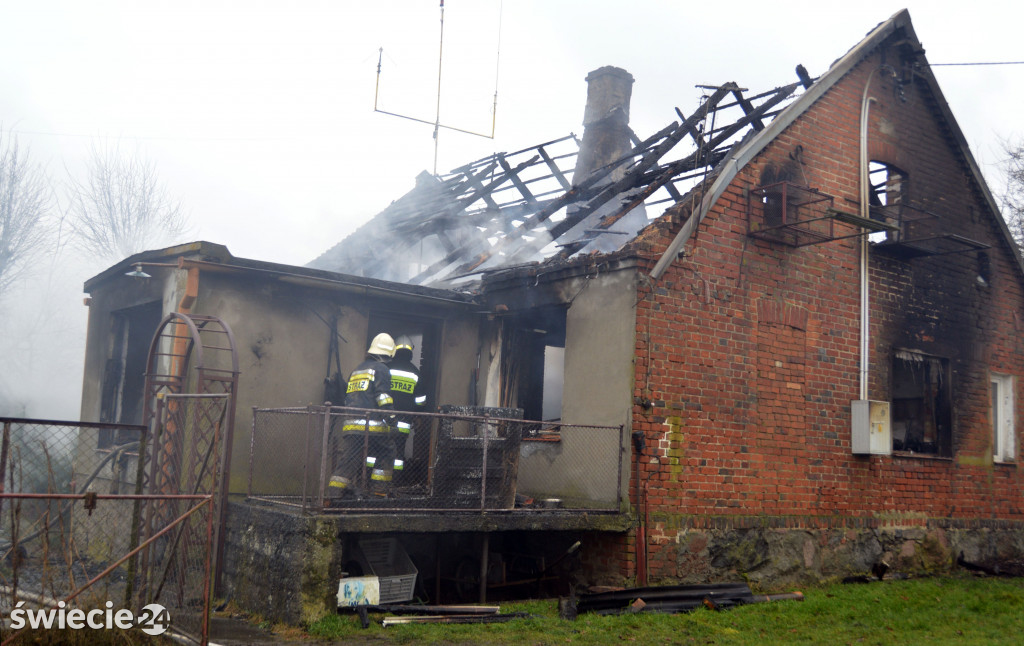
[[259, 115]]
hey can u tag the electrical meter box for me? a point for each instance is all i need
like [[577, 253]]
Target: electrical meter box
[[871, 432]]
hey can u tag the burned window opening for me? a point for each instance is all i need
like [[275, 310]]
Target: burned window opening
[[886, 195], [132, 330], [922, 414], [533, 362], [984, 269]]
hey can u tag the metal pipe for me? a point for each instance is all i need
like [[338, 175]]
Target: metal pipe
[[440, 58], [865, 212], [102, 496]]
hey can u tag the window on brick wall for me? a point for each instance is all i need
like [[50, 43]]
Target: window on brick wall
[[922, 415], [888, 191], [1001, 414]]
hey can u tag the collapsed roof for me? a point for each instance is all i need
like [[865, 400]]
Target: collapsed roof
[[556, 200], [562, 199]]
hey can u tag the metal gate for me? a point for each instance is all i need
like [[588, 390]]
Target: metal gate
[[100, 520], [79, 537]]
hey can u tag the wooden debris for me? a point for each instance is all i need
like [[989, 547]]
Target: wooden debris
[[452, 619], [678, 598]]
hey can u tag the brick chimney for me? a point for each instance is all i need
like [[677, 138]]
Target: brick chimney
[[605, 121]]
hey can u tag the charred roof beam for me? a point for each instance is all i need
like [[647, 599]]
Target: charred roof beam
[[748, 108], [699, 159], [454, 255], [583, 191], [473, 179], [631, 179], [556, 172]]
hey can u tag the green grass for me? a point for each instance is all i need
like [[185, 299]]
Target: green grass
[[923, 611]]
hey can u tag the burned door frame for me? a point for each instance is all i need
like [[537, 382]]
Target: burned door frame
[[426, 332], [123, 400], [525, 336]]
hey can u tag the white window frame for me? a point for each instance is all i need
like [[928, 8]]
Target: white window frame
[[1002, 417]]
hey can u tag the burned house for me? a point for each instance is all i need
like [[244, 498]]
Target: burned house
[[779, 338]]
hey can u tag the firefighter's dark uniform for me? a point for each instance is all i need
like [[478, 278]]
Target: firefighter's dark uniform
[[409, 395], [369, 386]]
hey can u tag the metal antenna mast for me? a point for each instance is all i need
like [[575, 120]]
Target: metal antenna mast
[[437, 114]]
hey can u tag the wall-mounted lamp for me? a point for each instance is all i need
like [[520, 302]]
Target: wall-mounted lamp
[[138, 273]]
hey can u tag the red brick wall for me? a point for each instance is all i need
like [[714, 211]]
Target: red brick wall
[[749, 349]]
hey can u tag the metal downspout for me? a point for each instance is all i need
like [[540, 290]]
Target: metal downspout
[[865, 314]]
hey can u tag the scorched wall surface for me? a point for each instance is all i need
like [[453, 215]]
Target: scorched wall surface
[[748, 350]]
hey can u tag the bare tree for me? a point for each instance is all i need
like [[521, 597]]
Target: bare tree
[[121, 208], [1013, 197], [25, 201]]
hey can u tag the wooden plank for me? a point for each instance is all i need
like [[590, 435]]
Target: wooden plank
[[748, 109], [473, 179], [463, 251], [555, 170], [629, 180], [694, 133], [514, 176]]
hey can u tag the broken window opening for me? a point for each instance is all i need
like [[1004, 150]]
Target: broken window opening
[[984, 277], [777, 209], [1002, 417], [887, 193], [922, 414], [533, 363], [124, 377]]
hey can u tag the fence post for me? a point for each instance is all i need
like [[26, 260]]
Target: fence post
[[252, 452], [3, 460], [618, 477], [133, 541], [483, 471], [325, 446]]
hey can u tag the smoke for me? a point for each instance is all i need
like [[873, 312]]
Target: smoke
[[42, 341]]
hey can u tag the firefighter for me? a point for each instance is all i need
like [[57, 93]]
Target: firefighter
[[409, 394], [369, 387]]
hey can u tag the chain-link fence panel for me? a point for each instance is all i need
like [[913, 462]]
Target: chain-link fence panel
[[285, 455], [463, 458], [62, 518], [111, 518]]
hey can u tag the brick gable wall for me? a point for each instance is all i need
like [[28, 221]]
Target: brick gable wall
[[748, 353]]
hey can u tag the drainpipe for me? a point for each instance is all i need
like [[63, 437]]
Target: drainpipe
[[641, 499], [188, 299], [865, 212]]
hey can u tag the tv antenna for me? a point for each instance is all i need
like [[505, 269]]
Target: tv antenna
[[437, 114]]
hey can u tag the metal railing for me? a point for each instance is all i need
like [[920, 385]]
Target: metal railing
[[81, 529], [464, 459]]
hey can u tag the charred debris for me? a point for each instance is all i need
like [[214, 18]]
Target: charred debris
[[558, 200], [670, 599], [662, 599]]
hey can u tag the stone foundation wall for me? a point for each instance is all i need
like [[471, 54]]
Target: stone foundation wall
[[771, 554], [281, 564]]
